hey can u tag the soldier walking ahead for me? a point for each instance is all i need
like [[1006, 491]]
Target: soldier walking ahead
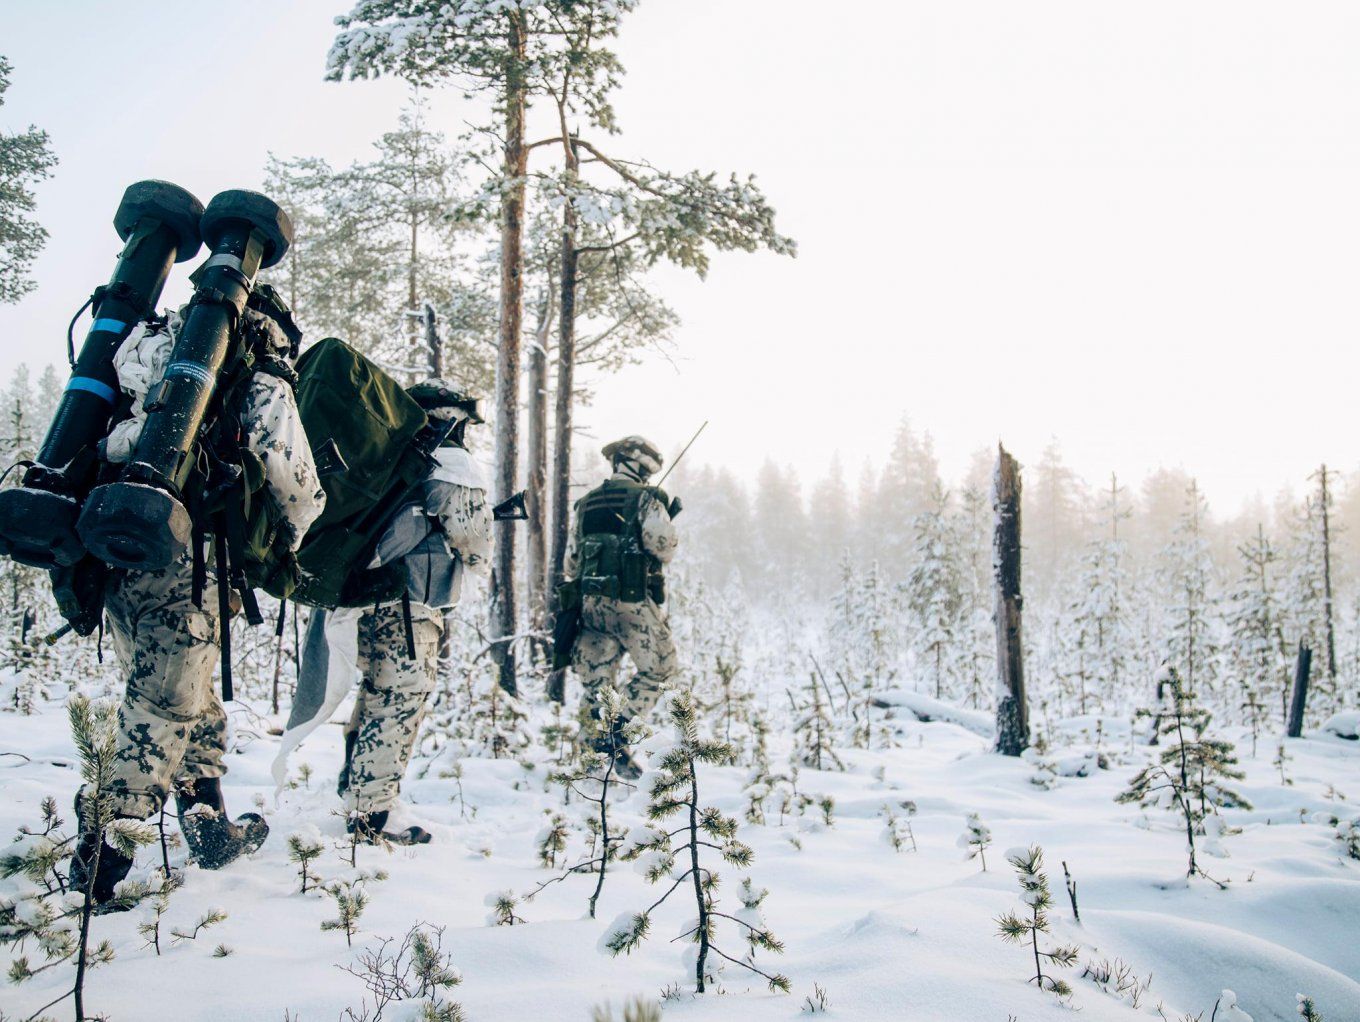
[[623, 539], [171, 725], [439, 535]]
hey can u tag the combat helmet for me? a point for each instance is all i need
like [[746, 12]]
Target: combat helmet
[[442, 400], [638, 452]]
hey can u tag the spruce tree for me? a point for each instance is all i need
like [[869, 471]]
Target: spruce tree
[[1190, 773], [813, 731], [934, 593], [1192, 608], [1258, 657]]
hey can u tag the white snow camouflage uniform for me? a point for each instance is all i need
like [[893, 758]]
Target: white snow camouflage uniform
[[171, 724], [610, 628], [391, 699]]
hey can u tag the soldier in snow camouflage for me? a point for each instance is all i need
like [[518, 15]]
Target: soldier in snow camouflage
[[171, 724], [623, 539], [446, 532]]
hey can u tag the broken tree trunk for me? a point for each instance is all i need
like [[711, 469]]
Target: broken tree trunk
[[1012, 715], [1298, 699]]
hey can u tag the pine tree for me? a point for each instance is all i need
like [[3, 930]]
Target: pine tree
[[593, 779], [1188, 777], [304, 847], [25, 159], [813, 731], [351, 899], [59, 921], [1192, 610], [976, 839], [1025, 928], [703, 830], [934, 593], [1258, 659], [1308, 1010]]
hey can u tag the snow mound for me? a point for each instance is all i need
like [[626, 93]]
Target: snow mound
[[927, 708], [1344, 725]]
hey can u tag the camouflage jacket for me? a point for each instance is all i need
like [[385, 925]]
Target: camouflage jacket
[[269, 418], [659, 537]]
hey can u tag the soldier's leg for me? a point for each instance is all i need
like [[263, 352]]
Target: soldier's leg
[[597, 655], [647, 637], [394, 691], [168, 648], [207, 741]]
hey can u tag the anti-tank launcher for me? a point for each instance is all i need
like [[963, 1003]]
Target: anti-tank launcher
[[158, 223], [141, 521]]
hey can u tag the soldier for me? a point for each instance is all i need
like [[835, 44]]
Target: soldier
[[624, 538], [171, 724], [438, 537]]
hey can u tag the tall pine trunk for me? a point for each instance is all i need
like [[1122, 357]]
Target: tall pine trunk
[[536, 490], [566, 386], [507, 360]]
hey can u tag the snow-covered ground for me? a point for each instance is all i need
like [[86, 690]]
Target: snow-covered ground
[[887, 935]]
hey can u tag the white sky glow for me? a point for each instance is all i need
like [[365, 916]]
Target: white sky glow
[[1132, 227]]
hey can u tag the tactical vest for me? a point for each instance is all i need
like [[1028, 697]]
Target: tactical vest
[[614, 563]]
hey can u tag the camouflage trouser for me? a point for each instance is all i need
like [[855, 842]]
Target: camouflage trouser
[[391, 701], [610, 628], [171, 723]]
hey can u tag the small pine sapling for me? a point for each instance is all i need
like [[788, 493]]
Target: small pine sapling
[[976, 839], [150, 926], [1282, 759], [1308, 1010], [60, 920], [304, 848], [1189, 773], [1347, 834], [552, 838], [416, 969], [595, 780], [813, 731], [1255, 711], [674, 791], [351, 898], [1025, 927], [502, 905], [827, 805], [897, 829]]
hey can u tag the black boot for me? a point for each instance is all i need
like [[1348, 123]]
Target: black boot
[[625, 766], [213, 838], [371, 829], [351, 739], [113, 867]]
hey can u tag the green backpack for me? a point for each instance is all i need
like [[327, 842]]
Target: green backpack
[[374, 448]]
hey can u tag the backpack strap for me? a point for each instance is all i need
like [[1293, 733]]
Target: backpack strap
[[224, 614]]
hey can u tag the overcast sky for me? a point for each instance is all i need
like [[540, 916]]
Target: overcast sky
[[1135, 227]]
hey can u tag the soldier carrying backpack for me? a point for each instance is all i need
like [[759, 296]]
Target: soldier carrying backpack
[[407, 517], [240, 471]]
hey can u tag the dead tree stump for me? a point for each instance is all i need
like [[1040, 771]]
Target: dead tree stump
[[1012, 713]]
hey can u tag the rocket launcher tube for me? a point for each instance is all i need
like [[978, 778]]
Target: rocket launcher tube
[[140, 522], [159, 225]]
